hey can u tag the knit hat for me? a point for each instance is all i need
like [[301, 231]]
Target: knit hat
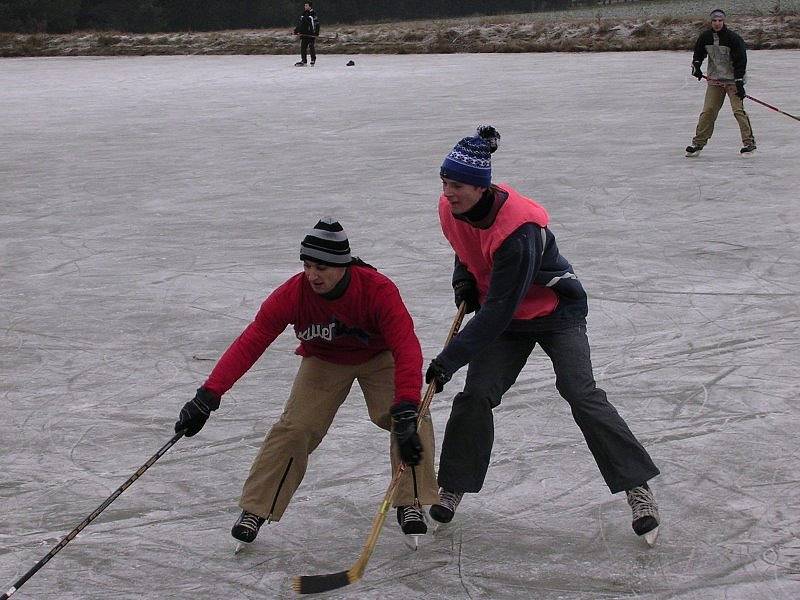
[[470, 160], [717, 13], [326, 244]]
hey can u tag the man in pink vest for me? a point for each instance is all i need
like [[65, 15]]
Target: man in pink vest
[[509, 270]]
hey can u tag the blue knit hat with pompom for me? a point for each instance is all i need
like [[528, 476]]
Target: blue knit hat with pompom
[[470, 160]]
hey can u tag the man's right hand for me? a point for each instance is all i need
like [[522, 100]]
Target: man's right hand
[[437, 375], [697, 71], [195, 413]]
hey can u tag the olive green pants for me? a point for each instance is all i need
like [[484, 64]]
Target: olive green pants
[[715, 97], [319, 390]]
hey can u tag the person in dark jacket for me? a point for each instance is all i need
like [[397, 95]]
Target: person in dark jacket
[[509, 271], [727, 64], [352, 325], [308, 30]]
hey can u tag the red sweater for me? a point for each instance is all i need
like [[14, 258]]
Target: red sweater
[[367, 319]]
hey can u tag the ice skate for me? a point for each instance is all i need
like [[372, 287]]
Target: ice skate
[[748, 151], [692, 151], [444, 511], [412, 522], [246, 529], [645, 513]]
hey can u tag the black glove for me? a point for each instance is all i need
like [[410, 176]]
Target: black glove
[[740, 89], [404, 428], [465, 290], [195, 413], [436, 372], [697, 71]]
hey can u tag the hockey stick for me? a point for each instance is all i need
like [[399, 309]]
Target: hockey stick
[[312, 584], [72, 534], [335, 36], [763, 103]]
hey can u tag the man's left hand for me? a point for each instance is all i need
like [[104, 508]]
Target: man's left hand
[[740, 89], [404, 428]]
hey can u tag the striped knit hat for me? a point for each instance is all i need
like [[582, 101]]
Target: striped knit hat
[[326, 244], [470, 160]]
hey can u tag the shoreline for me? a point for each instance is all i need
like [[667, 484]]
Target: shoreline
[[470, 35]]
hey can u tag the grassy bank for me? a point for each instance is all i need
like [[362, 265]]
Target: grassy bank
[[535, 32]]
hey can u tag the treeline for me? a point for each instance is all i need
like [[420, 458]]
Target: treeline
[[148, 16]]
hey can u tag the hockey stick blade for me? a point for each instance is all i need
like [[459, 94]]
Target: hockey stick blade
[[314, 584]]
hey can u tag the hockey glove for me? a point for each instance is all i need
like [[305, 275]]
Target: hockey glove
[[195, 413], [740, 89], [438, 374], [404, 429], [465, 290], [697, 71]]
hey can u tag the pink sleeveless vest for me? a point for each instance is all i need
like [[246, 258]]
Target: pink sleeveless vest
[[475, 247]]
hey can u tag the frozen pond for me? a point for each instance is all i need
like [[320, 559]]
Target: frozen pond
[[148, 205]]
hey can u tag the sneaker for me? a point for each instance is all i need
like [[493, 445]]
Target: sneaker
[[446, 508], [411, 520], [748, 150], [246, 527], [645, 512], [299, 63], [693, 150]]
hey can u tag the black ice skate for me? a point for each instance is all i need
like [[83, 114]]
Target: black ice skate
[[246, 529], [299, 63], [645, 513], [693, 150], [444, 511], [748, 150], [412, 522]]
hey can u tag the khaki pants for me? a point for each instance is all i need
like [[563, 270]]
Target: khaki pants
[[319, 390], [715, 97]]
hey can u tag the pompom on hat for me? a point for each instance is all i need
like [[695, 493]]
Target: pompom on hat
[[470, 160], [326, 244]]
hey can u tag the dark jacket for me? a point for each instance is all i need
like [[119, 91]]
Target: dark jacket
[[309, 23], [726, 51], [524, 258]]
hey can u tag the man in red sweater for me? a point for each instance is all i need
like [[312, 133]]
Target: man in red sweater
[[352, 325]]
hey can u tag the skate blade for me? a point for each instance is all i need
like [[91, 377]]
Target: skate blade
[[412, 540], [692, 154], [651, 536], [748, 154], [239, 547]]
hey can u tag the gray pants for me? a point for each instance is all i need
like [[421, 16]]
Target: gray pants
[[469, 435]]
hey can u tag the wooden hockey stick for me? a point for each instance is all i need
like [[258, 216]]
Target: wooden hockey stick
[[312, 584]]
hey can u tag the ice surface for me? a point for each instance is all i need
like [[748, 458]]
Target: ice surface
[[150, 204]]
